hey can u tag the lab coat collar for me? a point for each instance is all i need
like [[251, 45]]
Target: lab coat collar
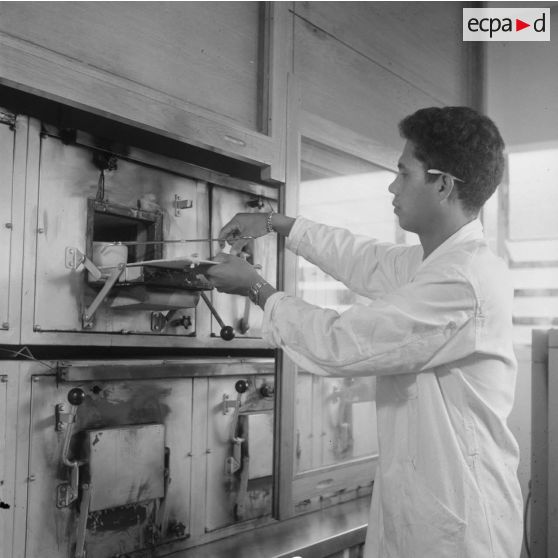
[[471, 231]]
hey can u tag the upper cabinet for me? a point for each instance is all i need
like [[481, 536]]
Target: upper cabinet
[[210, 74]]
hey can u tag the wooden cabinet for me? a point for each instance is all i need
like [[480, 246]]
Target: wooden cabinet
[[210, 74]]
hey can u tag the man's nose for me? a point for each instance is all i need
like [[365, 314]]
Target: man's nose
[[392, 188]]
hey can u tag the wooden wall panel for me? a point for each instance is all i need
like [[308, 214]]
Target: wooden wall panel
[[420, 42], [366, 65], [205, 53]]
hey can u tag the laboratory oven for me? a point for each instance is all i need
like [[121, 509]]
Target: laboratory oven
[[116, 241], [156, 433], [132, 457]]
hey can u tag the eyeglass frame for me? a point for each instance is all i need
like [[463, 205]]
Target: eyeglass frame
[[444, 173]]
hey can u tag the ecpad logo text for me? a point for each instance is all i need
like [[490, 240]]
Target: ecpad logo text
[[506, 24]]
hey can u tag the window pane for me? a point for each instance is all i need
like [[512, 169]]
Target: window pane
[[533, 195], [343, 191], [336, 418]]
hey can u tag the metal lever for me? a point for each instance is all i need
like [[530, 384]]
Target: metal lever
[[68, 492], [227, 332], [75, 258], [109, 283], [82, 521], [233, 463]]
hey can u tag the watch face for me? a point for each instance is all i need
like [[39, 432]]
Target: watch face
[[254, 292]]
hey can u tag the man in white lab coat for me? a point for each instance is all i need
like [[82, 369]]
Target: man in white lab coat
[[437, 333]]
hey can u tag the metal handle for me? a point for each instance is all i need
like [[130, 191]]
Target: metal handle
[[68, 493], [227, 332]]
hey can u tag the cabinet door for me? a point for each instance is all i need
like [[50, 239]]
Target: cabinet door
[[133, 503], [238, 311], [68, 181], [8, 423], [240, 451], [13, 137], [75, 207], [211, 74]]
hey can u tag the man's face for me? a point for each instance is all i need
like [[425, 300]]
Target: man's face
[[414, 199]]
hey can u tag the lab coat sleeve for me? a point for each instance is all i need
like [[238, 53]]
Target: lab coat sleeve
[[423, 324], [366, 266]]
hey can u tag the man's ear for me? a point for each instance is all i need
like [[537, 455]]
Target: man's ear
[[445, 186]]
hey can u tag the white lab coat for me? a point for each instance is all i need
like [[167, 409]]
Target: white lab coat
[[438, 336]]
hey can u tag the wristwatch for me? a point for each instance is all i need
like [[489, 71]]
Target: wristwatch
[[268, 223], [254, 292]]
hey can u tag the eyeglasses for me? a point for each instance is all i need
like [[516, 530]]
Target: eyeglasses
[[436, 171]]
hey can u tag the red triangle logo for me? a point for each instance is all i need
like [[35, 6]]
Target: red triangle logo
[[520, 24]]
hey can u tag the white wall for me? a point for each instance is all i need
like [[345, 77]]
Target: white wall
[[521, 96]]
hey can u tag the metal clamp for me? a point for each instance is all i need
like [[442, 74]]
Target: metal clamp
[[75, 258]]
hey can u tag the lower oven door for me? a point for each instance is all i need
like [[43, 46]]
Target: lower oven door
[[129, 456]]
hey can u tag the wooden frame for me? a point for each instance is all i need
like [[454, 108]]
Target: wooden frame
[[302, 124]]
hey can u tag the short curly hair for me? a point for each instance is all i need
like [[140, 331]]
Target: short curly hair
[[462, 142]]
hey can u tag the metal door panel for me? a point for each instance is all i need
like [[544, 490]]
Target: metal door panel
[[232, 497], [126, 465], [7, 138], [8, 417], [51, 531], [13, 151], [5, 518], [67, 179], [225, 204]]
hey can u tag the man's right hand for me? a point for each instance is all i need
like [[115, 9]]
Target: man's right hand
[[242, 228]]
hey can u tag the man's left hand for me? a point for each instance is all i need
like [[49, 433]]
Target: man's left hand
[[232, 274]]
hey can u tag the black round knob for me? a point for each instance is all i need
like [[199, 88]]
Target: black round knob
[[267, 390], [241, 386], [227, 333], [76, 396]]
